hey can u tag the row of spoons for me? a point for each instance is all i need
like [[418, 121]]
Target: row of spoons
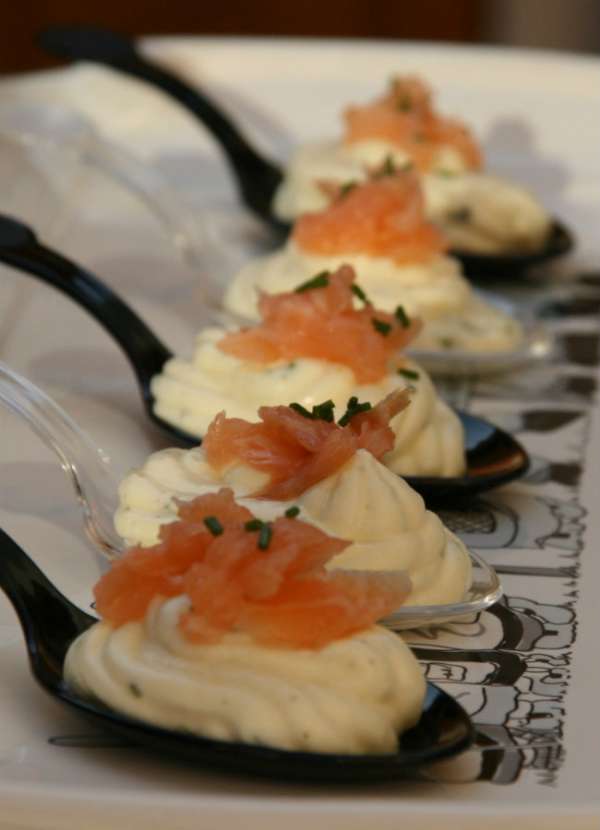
[[256, 176], [49, 620]]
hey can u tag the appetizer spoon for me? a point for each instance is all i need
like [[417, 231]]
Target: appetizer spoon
[[50, 623], [257, 178], [96, 484], [493, 456]]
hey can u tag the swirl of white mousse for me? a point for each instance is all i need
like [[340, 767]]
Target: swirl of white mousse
[[425, 289], [477, 211], [455, 317], [363, 502], [354, 695], [429, 438]]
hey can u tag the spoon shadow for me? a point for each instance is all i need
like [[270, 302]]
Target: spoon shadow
[[493, 457], [50, 623], [257, 178]]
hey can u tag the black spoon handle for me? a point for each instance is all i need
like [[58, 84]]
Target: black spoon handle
[[146, 353], [49, 621], [257, 177]]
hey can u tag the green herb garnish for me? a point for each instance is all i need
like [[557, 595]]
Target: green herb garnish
[[135, 690], [447, 342], [301, 410], [214, 525], [321, 280], [253, 524], [346, 188], [461, 215], [264, 536], [388, 168], [292, 512], [409, 374], [321, 411], [404, 104], [358, 292], [324, 411], [353, 407], [381, 326], [402, 317]]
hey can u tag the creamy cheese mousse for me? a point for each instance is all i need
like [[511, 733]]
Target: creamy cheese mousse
[[232, 629], [314, 343], [328, 474], [477, 211], [379, 227]]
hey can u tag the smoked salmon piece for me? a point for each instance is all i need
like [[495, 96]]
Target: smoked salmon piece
[[321, 322], [240, 574], [298, 450], [382, 217], [404, 116]]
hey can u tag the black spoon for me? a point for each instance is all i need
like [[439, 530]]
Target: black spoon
[[257, 177], [50, 624], [493, 456]]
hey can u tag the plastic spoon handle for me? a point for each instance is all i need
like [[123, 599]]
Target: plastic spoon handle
[[20, 248], [87, 467], [257, 178]]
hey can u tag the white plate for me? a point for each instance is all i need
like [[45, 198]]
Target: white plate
[[538, 114]]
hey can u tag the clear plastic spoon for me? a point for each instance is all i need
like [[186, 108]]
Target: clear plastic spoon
[[95, 484]]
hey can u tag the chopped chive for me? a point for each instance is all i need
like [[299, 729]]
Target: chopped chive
[[353, 408], [253, 524], [214, 525], [301, 410], [409, 374], [402, 317], [324, 411], [358, 292], [321, 280], [292, 512], [135, 690], [461, 215], [264, 536], [347, 187], [447, 342], [381, 326], [388, 168], [321, 411]]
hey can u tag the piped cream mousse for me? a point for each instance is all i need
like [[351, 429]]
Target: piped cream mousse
[[477, 211], [314, 343], [232, 629], [330, 475], [380, 229]]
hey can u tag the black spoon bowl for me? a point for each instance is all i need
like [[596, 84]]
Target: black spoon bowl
[[257, 178], [559, 242], [493, 457], [50, 623]]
